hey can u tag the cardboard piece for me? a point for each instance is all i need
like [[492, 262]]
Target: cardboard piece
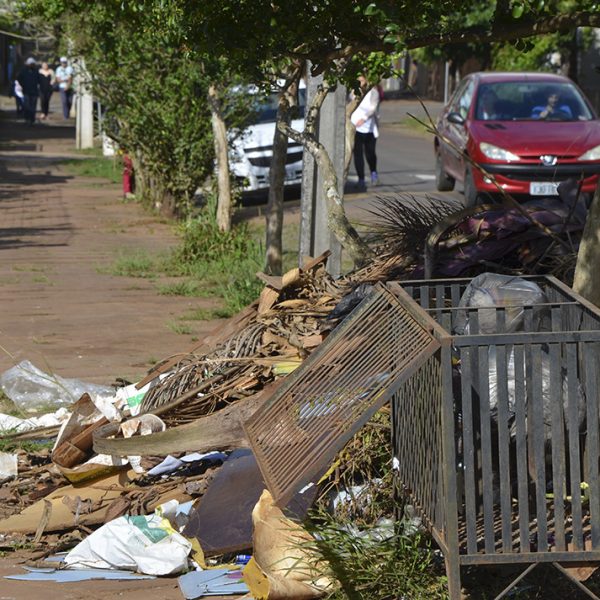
[[284, 566], [96, 497]]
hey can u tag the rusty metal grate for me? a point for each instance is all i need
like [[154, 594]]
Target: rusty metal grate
[[417, 441], [337, 389]]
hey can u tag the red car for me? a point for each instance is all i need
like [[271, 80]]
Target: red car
[[528, 131]]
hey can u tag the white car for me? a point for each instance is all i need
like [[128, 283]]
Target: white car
[[253, 149]]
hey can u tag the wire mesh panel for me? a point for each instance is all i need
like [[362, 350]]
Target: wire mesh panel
[[417, 442], [298, 431]]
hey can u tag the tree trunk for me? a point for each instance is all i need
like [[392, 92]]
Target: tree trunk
[[274, 216], [337, 221], [336, 216], [587, 281], [224, 201], [350, 133]]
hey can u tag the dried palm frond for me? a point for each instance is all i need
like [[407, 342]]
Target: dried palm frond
[[403, 221]]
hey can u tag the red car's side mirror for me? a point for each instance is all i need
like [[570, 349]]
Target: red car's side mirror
[[455, 118]]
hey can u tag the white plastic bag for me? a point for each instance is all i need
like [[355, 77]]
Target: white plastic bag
[[31, 389], [10, 424], [146, 544], [489, 290]]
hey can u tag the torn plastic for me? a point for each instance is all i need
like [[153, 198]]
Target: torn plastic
[[10, 424], [146, 424], [8, 465], [489, 290], [546, 391], [75, 575], [146, 544], [215, 582], [32, 390], [170, 464]]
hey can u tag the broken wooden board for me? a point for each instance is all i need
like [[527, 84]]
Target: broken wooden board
[[221, 430], [223, 521]]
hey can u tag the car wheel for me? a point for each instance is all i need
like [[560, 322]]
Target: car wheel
[[443, 181], [470, 191]]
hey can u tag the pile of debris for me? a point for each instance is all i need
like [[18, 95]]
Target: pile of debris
[[161, 476], [157, 477]]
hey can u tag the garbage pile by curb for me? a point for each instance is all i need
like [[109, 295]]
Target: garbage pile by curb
[[157, 478], [205, 468]]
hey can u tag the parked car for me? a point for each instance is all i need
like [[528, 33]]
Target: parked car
[[253, 149], [528, 131]]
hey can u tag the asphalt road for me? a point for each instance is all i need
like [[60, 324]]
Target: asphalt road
[[405, 151]]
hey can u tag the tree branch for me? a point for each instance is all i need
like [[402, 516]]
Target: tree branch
[[500, 31]]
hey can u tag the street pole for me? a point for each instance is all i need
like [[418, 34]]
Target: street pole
[[84, 119], [315, 236]]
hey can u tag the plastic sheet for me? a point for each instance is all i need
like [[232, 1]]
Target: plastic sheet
[[10, 424], [494, 377], [33, 390], [147, 544], [489, 290]]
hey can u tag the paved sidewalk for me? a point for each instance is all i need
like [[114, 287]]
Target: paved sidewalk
[[58, 236]]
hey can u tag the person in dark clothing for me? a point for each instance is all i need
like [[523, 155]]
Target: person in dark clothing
[[46, 89], [29, 78]]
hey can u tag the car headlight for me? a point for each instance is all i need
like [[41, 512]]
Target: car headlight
[[593, 154], [496, 153]]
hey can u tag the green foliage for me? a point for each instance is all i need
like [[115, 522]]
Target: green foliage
[[203, 241], [10, 444], [371, 568], [136, 263], [205, 314], [154, 94], [207, 263], [221, 263], [370, 554], [101, 167], [180, 329], [186, 287]]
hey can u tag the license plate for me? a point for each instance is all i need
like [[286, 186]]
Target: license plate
[[545, 188]]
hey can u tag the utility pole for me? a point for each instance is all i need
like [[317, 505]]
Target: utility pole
[[84, 104], [315, 236]]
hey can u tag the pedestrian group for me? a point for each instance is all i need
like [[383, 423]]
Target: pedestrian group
[[39, 82]]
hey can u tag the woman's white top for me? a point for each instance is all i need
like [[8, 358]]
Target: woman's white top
[[367, 111]]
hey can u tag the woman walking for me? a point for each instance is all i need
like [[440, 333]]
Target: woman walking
[[47, 81], [365, 119]]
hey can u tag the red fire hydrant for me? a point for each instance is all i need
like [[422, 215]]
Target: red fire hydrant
[[128, 177]]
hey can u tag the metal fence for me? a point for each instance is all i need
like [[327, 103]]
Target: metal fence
[[497, 435]]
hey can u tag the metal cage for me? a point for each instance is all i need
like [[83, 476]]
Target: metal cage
[[496, 435]]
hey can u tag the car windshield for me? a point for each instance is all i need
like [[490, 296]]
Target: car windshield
[[266, 107], [527, 100]]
